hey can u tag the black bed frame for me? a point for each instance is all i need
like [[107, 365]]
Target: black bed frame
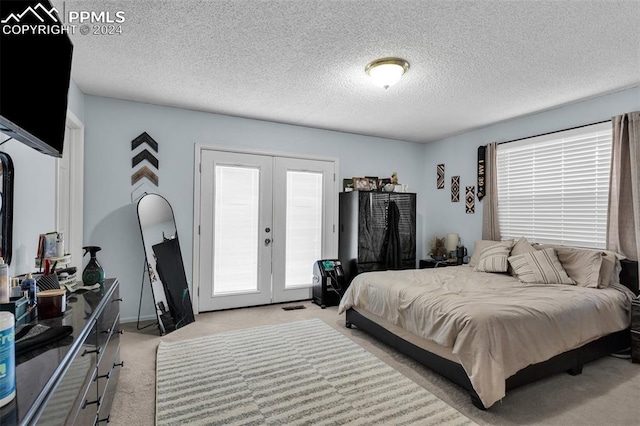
[[571, 361]]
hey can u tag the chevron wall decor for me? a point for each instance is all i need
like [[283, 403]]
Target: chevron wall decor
[[440, 181], [145, 166], [455, 189], [470, 200]]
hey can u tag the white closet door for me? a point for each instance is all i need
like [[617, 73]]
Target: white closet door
[[303, 202]]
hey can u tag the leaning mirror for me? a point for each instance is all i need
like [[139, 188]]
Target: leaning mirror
[[163, 262], [6, 207]]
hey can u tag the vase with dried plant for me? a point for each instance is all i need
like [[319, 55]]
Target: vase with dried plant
[[438, 249]]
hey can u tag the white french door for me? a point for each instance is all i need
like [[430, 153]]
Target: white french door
[[264, 220]]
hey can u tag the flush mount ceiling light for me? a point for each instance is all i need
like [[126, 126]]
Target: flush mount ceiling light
[[386, 72]]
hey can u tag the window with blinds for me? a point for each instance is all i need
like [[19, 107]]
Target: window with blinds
[[554, 188]]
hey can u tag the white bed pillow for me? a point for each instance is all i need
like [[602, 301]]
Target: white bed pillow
[[494, 258], [540, 267]]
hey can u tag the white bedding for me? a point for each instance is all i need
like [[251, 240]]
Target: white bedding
[[494, 324]]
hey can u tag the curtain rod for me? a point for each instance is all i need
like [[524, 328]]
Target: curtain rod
[[556, 131]]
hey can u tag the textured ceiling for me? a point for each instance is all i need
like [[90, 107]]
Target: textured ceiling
[[302, 62]]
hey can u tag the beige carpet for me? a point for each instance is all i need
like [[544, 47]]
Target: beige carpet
[[606, 393]]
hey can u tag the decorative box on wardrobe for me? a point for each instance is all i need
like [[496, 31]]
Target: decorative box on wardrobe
[[364, 225]]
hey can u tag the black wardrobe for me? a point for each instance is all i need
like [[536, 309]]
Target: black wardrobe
[[377, 231]]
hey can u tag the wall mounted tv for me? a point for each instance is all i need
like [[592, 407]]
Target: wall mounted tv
[[35, 70]]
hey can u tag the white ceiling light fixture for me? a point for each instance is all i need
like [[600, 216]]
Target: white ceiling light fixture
[[386, 72]]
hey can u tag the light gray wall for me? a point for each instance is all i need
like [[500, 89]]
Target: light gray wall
[[110, 219], [75, 101], [459, 154]]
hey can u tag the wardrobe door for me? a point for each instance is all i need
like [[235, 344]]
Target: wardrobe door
[[406, 227], [372, 227]]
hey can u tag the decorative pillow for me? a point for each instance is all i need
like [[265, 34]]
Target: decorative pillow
[[610, 270], [522, 246], [478, 246], [610, 264], [494, 258], [541, 267], [582, 266]]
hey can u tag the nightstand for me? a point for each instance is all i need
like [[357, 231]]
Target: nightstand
[[635, 330], [430, 263]]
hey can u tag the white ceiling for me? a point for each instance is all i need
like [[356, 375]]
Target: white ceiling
[[302, 62]]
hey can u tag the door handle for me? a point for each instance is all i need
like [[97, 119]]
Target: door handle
[[267, 241]]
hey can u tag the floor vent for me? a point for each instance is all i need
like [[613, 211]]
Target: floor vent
[[293, 308]]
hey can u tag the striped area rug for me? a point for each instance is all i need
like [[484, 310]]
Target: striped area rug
[[298, 373]]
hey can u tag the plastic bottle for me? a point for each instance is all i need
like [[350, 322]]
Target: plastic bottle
[[59, 245], [29, 285], [5, 289], [7, 358]]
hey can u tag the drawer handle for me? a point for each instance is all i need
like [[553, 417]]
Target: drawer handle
[[120, 331], [106, 420], [107, 331], [96, 351], [87, 402], [118, 300], [105, 376], [120, 364]]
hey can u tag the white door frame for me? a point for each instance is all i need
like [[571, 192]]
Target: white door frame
[[76, 190], [333, 243]]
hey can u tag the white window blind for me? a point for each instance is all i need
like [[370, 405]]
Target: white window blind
[[554, 188]]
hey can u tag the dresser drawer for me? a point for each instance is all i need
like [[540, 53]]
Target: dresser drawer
[[108, 334], [108, 318], [104, 411], [635, 315], [109, 357], [635, 346], [67, 404]]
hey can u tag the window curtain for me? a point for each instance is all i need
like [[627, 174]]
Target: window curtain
[[490, 224], [623, 225]]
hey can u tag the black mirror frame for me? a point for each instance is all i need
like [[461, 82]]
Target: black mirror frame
[[7, 207]]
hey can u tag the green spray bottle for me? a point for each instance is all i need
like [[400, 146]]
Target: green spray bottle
[[93, 272]]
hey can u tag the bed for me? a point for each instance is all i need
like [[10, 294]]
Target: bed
[[490, 332]]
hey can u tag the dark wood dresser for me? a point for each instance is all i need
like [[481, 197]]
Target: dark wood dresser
[[73, 381]]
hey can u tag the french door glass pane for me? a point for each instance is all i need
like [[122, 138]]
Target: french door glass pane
[[237, 201], [304, 226]]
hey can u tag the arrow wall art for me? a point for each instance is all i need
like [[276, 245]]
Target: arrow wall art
[[145, 166]]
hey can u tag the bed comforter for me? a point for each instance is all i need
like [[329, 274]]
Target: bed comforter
[[493, 323]]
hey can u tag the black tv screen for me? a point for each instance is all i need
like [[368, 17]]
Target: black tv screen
[[35, 70]]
